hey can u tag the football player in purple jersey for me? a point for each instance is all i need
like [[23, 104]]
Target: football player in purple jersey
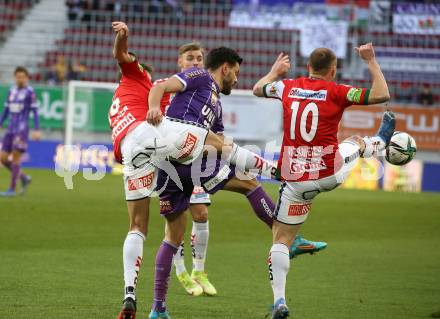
[[20, 103]]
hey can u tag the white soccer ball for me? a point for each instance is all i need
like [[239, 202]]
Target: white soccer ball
[[402, 149]]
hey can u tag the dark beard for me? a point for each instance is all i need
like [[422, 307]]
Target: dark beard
[[226, 91], [227, 88]]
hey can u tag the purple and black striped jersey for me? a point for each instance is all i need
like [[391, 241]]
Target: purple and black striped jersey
[[199, 102], [18, 105]]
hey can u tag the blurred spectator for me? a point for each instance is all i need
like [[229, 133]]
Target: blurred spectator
[[76, 69], [404, 94], [58, 72], [425, 96], [73, 9]]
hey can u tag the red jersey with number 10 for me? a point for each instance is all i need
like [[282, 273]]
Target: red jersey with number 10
[[130, 103], [312, 110]]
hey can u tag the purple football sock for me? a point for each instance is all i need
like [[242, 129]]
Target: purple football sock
[[164, 261], [262, 204], [22, 175], [15, 175]]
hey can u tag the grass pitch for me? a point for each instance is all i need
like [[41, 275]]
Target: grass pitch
[[60, 255]]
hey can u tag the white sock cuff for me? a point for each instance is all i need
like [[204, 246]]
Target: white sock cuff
[[280, 248], [201, 226], [136, 232]]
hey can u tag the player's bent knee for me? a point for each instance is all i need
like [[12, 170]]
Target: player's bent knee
[[175, 228], [199, 213], [4, 158]]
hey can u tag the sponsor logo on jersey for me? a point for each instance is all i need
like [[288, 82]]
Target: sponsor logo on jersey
[[209, 116], [217, 179], [165, 206], [195, 73], [298, 93], [354, 95], [188, 146], [125, 122], [298, 209], [141, 182]]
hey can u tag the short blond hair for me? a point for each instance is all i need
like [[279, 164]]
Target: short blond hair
[[192, 46]]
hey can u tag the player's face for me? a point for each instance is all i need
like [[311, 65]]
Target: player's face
[[21, 79], [191, 59], [230, 77]]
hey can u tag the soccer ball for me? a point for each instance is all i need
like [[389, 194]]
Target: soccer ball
[[402, 149]]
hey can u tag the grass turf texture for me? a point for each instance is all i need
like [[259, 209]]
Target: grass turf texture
[[60, 255]]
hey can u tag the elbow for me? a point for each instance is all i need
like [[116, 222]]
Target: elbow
[[384, 97], [257, 90], [379, 97]]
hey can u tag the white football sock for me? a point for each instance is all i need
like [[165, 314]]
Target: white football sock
[[279, 264], [179, 259], [132, 257], [246, 160], [199, 243], [374, 146]]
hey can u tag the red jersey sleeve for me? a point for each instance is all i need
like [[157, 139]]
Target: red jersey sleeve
[[348, 95]]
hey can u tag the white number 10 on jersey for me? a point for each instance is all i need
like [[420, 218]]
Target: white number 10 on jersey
[[309, 108]]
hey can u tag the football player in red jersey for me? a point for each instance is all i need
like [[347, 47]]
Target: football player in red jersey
[[311, 160], [143, 148]]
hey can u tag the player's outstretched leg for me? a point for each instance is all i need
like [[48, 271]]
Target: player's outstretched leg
[[184, 278], [242, 158], [263, 207], [376, 144]]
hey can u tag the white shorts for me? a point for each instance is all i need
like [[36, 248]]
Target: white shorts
[[147, 146], [296, 198], [199, 196]]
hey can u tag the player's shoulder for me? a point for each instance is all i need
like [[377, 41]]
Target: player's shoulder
[[195, 72], [30, 89]]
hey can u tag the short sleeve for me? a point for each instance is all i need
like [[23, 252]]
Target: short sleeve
[[193, 78], [348, 95], [274, 90]]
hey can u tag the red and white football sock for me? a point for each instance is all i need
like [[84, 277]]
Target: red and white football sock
[[246, 160], [179, 260], [199, 244], [374, 146], [132, 257], [279, 264]]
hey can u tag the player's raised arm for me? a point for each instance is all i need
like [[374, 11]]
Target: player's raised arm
[[120, 48], [172, 85], [379, 89], [278, 70]]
